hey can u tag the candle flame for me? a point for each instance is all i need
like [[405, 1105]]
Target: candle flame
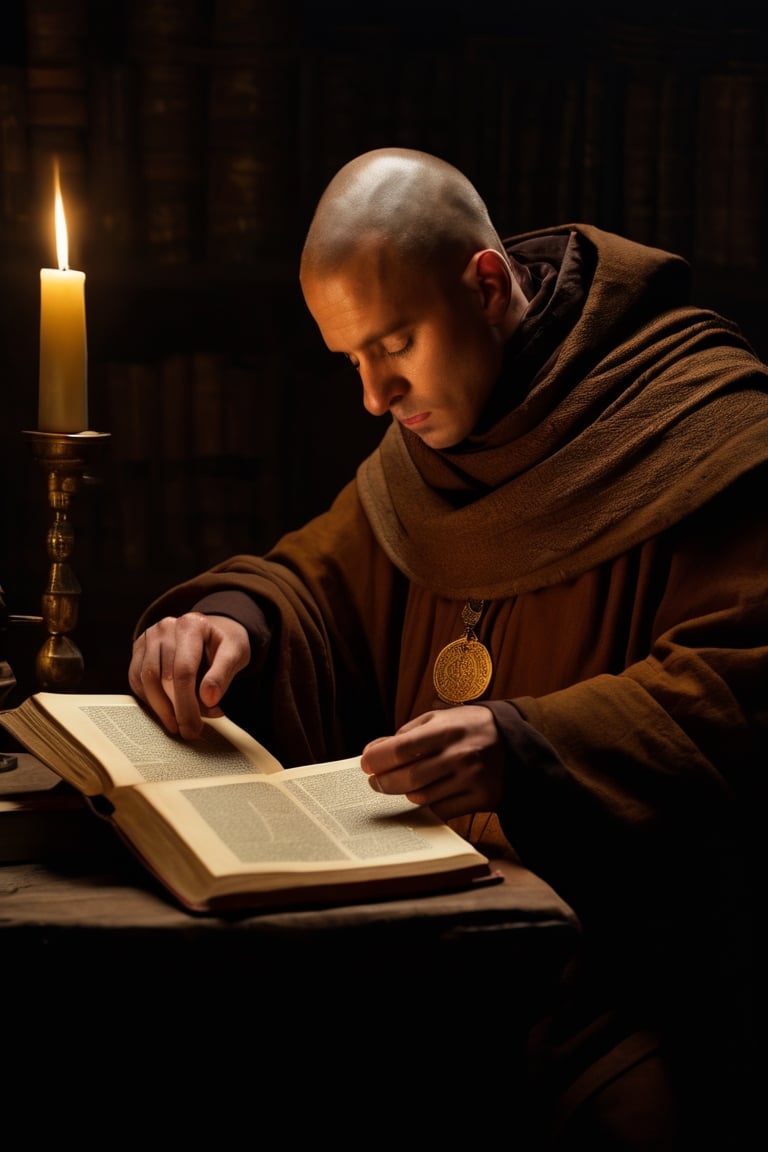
[[62, 243]]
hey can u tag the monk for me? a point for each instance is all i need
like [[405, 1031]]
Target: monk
[[540, 608]]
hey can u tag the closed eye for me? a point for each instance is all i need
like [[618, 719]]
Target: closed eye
[[402, 350], [406, 347]]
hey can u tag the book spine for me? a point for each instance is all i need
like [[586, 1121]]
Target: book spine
[[132, 406], [207, 404], [113, 145], [212, 488], [255, 395], [57, 119], [641, 149], [252, 133], [570, 152], [749, 169], [170, 167], [175, 507], [676, 162], [714, 169], [15, 216], [166, 47]]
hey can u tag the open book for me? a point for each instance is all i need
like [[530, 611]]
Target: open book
[[221, 824]]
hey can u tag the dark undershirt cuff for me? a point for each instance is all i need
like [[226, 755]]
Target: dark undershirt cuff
[[243, 608], [531, 762]]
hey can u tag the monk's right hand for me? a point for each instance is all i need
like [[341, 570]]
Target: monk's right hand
[[182, 666]]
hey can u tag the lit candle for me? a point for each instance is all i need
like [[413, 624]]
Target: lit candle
[[63, 394]]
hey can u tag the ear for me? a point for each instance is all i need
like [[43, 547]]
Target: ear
[[489, 274]]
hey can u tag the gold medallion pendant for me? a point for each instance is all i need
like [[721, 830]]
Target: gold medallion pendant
[[463, 668]]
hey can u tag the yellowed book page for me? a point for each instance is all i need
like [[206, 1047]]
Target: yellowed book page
[[132, 747], [308, 826]]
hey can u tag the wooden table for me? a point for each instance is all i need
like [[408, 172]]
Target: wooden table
[[431, 975]]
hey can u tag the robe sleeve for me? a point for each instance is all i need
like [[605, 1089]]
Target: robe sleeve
[[326, 593], [658, 768]]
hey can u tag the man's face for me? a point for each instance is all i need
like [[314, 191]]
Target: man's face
[[420, 341]]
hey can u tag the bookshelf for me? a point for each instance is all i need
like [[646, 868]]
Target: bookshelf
[[194, 138]]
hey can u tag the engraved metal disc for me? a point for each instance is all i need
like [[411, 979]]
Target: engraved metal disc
[[462, 671]]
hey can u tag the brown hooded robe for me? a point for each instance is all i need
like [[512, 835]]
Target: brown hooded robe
[[611, 513]]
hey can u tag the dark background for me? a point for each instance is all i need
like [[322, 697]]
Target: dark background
[[194, 139]]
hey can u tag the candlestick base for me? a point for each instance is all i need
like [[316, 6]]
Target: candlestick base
[[59, 665]]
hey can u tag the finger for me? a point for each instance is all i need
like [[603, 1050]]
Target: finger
[[163, 672], [226, 656], [446, 795], [145, 681], [414, 778], [366, 762], [390, 753], [180, 664]]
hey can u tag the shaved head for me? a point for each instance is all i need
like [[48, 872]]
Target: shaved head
[[420, 208], [405, 275]]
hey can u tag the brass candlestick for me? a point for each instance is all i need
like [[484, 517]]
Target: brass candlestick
[[59, 664]]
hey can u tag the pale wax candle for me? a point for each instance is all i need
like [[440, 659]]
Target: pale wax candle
[[63, 388]]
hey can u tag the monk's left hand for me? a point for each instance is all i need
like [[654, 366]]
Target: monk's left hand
[[451, 759]]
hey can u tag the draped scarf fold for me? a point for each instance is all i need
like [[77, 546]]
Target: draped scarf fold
[[621, 409]]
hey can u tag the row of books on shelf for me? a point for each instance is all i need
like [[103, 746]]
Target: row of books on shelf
[[192, 470], [180, 152], [168, 121], [667, 153]]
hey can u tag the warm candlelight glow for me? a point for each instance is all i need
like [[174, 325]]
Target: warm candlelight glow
[[63, 395], [62, 240]]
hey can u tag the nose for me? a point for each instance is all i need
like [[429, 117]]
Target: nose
[[381, 388]]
